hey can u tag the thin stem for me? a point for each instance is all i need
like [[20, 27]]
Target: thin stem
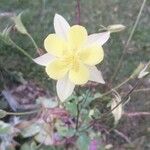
[[22, 113], [79, 109], [128, 42], [78, 114], [34, 43], [125, 98], [78, 12], [21, 50], [136, 22], [134, 114], [122, 135], [116, 87], [142, 90]]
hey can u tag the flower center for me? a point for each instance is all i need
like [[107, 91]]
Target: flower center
[[72, 60]]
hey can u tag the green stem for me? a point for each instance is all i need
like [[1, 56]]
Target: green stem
[[128, 41], [116, 87], [32, 40], [21, 50], [22, 113]]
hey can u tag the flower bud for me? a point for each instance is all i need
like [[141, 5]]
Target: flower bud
[[116, 28], [19, 25]]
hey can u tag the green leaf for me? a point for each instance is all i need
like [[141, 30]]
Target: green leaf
[[25, 147], [19, 25], [66, 132], [31, 130], [85, 115], [83, 142], [89, 98], [117, 112], [5, 128], [29, 146], [72, 108]]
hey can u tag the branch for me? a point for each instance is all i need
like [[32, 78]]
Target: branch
[[136, 114], [123, 136]]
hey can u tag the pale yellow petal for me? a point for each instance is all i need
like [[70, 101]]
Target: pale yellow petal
[[55, 45], [56, 69], [79, 75], [77, 36], [91, 55]]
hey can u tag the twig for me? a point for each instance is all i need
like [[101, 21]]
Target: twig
[[78, 12], [116, 87], [34, 43], [128, 42], [21, 50], [122, 135], [136, 114], [142, 90]]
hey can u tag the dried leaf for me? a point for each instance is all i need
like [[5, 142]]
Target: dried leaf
[[117, 112]]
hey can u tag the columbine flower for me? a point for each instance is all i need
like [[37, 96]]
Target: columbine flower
[[72, 56]]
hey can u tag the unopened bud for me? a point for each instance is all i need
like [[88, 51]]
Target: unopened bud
[[116, 28], [2, 113], [19, 25]]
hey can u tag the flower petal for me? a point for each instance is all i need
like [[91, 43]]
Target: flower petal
[[56, 69], [61, 26], [64, 88], [44, 59], [79, 75], [96, 75], [55, 45], [99, 38], [77, 36], [91, 55]]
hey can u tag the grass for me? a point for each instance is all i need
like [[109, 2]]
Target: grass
[[38, 19]]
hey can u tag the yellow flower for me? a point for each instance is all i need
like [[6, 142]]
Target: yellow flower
[[72, 56]]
